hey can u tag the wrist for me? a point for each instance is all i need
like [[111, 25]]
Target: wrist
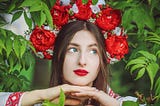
[[31, 98]]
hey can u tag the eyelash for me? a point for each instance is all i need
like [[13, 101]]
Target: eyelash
[[71, 49], [94, 51]]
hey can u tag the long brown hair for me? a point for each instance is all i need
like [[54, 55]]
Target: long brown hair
[[62, 41]]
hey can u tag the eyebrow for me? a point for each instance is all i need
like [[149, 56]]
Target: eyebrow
[[91, 45]]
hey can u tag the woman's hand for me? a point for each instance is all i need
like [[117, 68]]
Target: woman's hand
[[38, 96], [101, 96]]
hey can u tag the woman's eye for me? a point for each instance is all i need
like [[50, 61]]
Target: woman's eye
[[72, 50], [93, 51]]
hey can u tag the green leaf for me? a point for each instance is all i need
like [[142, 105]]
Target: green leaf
[[140, 73], [127, 18], [61, 98], [36, 7], [152, 70], [2, 44], [153, 37], [48, 103], [52, 2], [154, 3], [28, 60], [84, 1], [3, 32], [139, 60], [48, 15], [17, 67], [16, 47], [28, 20], [60, 103], [43, 18], [158, 54], [29, 3], [2, 21], [148, 19], [16, 16], [137, 17], [148, 55], [11, 7], [94, 2], [23, 47], [123, 5], [130, 103], [8, 45], [136, 66], [157, 87], [11, 61], [11, 83], [36, 18]]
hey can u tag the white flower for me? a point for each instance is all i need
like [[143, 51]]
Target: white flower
[[65, 2], [92, 20], [49, 51], [55, 31], [95, 9], [113, 60], [117, 31], [74, 8], [101, 2], [27, 37], [40, 54], [47, 28]]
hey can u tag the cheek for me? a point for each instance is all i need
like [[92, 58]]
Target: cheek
[[69, 62], [95, 62], [95, 66]]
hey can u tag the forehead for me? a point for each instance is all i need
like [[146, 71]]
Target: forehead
[[83, 37]]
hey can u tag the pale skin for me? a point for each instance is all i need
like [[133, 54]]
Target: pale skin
[[83, 51]]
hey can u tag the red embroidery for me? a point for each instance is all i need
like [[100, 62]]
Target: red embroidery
[[13, 99], [112, 94]]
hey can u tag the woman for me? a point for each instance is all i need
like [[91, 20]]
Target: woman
[[80, 57], [79, 69]]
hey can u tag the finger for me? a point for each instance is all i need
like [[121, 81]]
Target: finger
[[71, 88], [91, 94], [55, 100]]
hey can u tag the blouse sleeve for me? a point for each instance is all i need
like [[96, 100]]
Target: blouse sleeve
[[122, 99], [10, 98]]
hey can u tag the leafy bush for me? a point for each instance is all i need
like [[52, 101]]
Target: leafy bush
[[139, 17], [15, 60]]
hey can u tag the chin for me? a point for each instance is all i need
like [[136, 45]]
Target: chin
[[78, 83], [81, 84]]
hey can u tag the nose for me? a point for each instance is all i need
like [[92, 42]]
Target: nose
[[82, 60]]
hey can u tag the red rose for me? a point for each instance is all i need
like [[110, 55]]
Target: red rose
[[42, 39], [116, 46], [108, 19], [84, 10], [60, 14]]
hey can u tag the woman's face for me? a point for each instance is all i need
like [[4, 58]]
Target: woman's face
[[81, 63]]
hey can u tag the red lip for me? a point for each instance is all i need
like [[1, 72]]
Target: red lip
[[80, 72]]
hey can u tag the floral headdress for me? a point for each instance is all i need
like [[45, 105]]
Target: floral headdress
[[105, 17]]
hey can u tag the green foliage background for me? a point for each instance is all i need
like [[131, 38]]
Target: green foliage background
[[138, 71]]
